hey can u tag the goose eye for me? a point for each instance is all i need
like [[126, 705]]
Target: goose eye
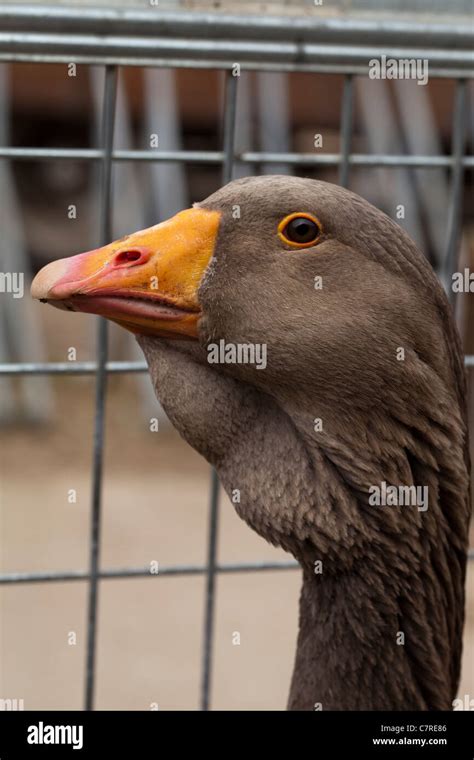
[[299, 230]]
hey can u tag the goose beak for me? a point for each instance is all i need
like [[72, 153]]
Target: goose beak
[[147, 282]]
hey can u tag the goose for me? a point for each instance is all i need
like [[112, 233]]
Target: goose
[[301, 343]]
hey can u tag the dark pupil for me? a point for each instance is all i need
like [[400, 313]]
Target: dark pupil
[[301, 230]]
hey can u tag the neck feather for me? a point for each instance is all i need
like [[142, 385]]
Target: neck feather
[[357, 651]]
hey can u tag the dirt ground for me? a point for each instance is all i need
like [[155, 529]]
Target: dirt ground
[[155, 508]]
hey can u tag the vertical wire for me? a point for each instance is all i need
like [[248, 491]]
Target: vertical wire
[[346, 129], [108, 122], [456, 193], [229, 148], [229, 126]]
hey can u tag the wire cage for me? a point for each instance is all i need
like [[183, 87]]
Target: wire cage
[[115, 39]]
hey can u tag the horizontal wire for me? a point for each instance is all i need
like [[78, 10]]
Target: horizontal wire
[[143, 572], [69, 368], [96, 154], [249, 157], [354, 159], [90, 368], [88, 49]]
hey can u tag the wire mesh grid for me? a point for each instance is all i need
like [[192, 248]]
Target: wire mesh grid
[[458, 162]]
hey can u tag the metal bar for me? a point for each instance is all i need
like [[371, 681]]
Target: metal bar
[[456, 191], [229, 127], [210, 592], [108, 121], [144, 572], [355, 159], [253, 157], [440, 67], [387, 30], [205, 52], [346, 129], [115, 573], [90, 368], [227, 166], [67, 368], [95, 154]]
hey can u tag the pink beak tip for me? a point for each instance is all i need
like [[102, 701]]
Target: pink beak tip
[[47, 278]]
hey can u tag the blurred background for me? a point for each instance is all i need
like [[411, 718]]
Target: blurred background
[[156, 488]]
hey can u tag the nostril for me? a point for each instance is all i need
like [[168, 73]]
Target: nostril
[[125, 256], [130, 257]]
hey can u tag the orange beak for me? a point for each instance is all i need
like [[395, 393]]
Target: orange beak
[[147, 282]]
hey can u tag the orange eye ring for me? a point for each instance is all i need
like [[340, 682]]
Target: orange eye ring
[[315, 226]]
